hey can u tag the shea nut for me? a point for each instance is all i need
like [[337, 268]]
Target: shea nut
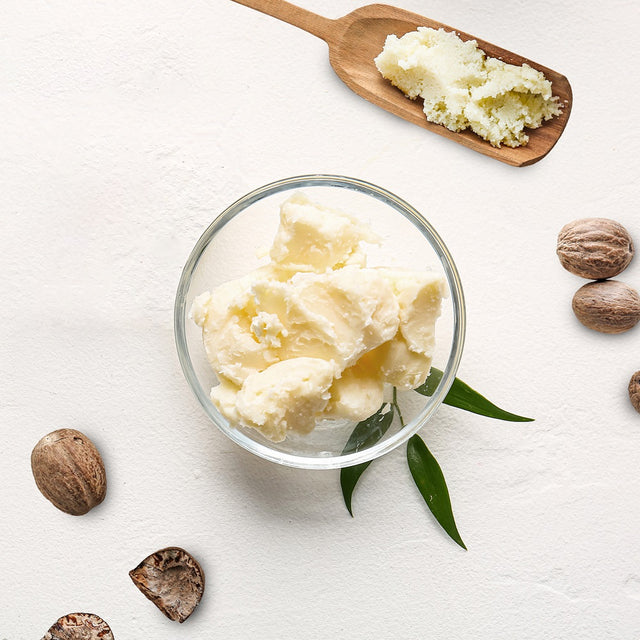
[[69, 471], [594, 248], [634, 391], [79, 626], [173, 580], [609, 306]]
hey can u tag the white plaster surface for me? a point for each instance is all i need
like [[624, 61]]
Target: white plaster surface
[[125, 127]]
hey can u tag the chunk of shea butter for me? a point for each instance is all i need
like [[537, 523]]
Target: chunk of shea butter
[[337, 315], [357, 307], [463, 88], [358, 392], [316, 238], [419, 296], [287, 396], [316, 334], [405, 361], [229, 319]]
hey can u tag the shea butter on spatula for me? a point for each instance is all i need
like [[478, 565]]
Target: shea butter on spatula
[[356, 39], [462, 88]]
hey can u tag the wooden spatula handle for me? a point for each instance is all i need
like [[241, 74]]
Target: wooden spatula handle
[[297, 16]]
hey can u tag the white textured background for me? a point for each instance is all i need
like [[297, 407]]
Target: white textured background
[[124, 128]]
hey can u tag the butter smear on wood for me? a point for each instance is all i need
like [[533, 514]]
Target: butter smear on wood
[[463, 88], [316, 334]]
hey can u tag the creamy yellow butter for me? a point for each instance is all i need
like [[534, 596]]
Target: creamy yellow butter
[[463, 88], [316, 333]]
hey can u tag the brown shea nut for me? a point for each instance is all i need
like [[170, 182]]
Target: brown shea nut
[[609, 306], [634, 391], [79, 626], [173, 580], [594, 248], [69, 471]]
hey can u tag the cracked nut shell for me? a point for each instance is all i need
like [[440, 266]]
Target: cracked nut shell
[[69, 471], [594, 248], [608, 306], [634, 391], [173, 580], [79, 626]]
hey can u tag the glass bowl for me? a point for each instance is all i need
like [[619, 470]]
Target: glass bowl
[[229, 248]]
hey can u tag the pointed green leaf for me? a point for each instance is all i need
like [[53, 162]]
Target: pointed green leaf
[[349, 477], [461, 395], [430, 481], [365, 434]]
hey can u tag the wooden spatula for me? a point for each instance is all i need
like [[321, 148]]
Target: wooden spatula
[[357, 38]]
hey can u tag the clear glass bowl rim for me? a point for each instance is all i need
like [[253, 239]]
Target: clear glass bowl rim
[[456, 293]]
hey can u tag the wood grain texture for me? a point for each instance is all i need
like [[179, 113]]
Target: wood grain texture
[[297, 16], [357, 38]]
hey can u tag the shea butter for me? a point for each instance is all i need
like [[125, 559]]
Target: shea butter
[[463, 88], [316, 333]]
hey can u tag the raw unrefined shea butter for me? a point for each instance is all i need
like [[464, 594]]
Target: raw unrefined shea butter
[[463, 88], [316, 334]]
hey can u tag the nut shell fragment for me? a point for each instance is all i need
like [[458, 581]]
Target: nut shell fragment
[[79, 626], [634, 391], [173, 580], [608, 306], [594, 248], [69, 471]]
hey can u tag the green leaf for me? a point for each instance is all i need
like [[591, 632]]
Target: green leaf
[[349, 477], [365, 434], [461, 395], [430, 481]]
